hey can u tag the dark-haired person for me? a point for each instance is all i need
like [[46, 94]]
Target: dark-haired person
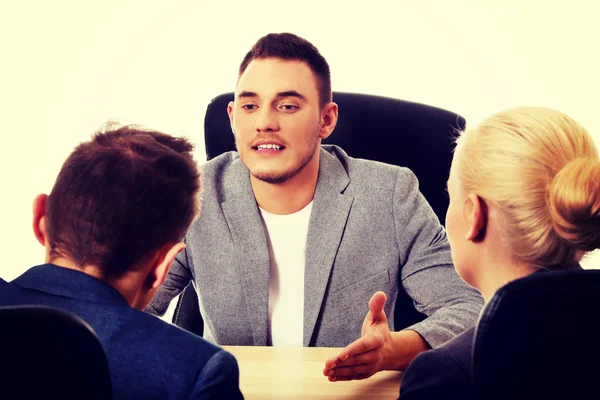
[[295, 237], [112, 225], [533, 206]]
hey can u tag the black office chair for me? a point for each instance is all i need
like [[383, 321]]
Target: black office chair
[[393, 131], [50, 353], [538, 338]]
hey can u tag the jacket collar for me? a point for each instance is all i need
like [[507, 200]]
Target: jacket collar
[[327, 222], [59, 281], [332, 174]]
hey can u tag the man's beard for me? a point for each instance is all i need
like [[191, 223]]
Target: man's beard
[[280, 177], [273, 177]]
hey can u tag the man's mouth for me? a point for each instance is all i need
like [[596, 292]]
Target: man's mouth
[[268, 146]]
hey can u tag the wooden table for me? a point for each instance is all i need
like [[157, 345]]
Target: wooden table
[[297, 373]]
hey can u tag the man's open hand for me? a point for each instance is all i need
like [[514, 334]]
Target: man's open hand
[[370, 353]]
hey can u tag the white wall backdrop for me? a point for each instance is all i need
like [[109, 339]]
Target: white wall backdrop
[[68, 66]]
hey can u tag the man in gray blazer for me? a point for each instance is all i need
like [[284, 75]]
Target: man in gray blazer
[[295, 238]]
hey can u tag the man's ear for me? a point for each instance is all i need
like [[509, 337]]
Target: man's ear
[[163, 262], [477, 217], [39, 218], [329, 118], [230, 113]]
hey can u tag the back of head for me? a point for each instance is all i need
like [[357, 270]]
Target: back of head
[[122, 196], [541, 170], [287, 46]]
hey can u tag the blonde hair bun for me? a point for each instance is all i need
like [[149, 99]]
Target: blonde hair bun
[[574, 202], [540, 170]]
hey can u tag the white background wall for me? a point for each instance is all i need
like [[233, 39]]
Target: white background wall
[[68, 66]]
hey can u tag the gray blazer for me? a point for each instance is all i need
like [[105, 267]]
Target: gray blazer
[[370, 229]]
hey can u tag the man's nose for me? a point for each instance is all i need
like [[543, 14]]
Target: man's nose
[[267, 120]]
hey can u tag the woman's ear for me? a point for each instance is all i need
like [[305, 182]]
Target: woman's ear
[[477, 217]]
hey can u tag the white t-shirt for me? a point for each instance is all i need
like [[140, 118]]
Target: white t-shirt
[[286, 236]]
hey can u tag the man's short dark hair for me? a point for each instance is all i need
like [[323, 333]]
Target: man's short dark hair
[[287, 46], [121, 197]]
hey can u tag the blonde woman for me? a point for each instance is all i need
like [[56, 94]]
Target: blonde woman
[[524, 197]]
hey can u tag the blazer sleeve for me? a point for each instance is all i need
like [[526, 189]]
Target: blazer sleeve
[[178, 278], [435, 375], [428, 275], [219, 379]]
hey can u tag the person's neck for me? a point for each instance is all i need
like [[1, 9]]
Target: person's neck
[[496, 273], [128, 286], [290, 196]]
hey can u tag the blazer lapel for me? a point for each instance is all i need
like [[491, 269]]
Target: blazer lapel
[[245, 225], [327, 222]]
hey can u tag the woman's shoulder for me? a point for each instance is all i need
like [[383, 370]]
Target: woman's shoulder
[[443, 372]]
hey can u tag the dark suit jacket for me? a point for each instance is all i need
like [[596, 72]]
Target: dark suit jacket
[[442, 373], [148, 358]]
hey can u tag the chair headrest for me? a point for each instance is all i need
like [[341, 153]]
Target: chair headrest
[[51, 353], [412, 135]]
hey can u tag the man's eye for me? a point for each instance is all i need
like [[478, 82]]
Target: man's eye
[[249, 107], [288, 107]]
